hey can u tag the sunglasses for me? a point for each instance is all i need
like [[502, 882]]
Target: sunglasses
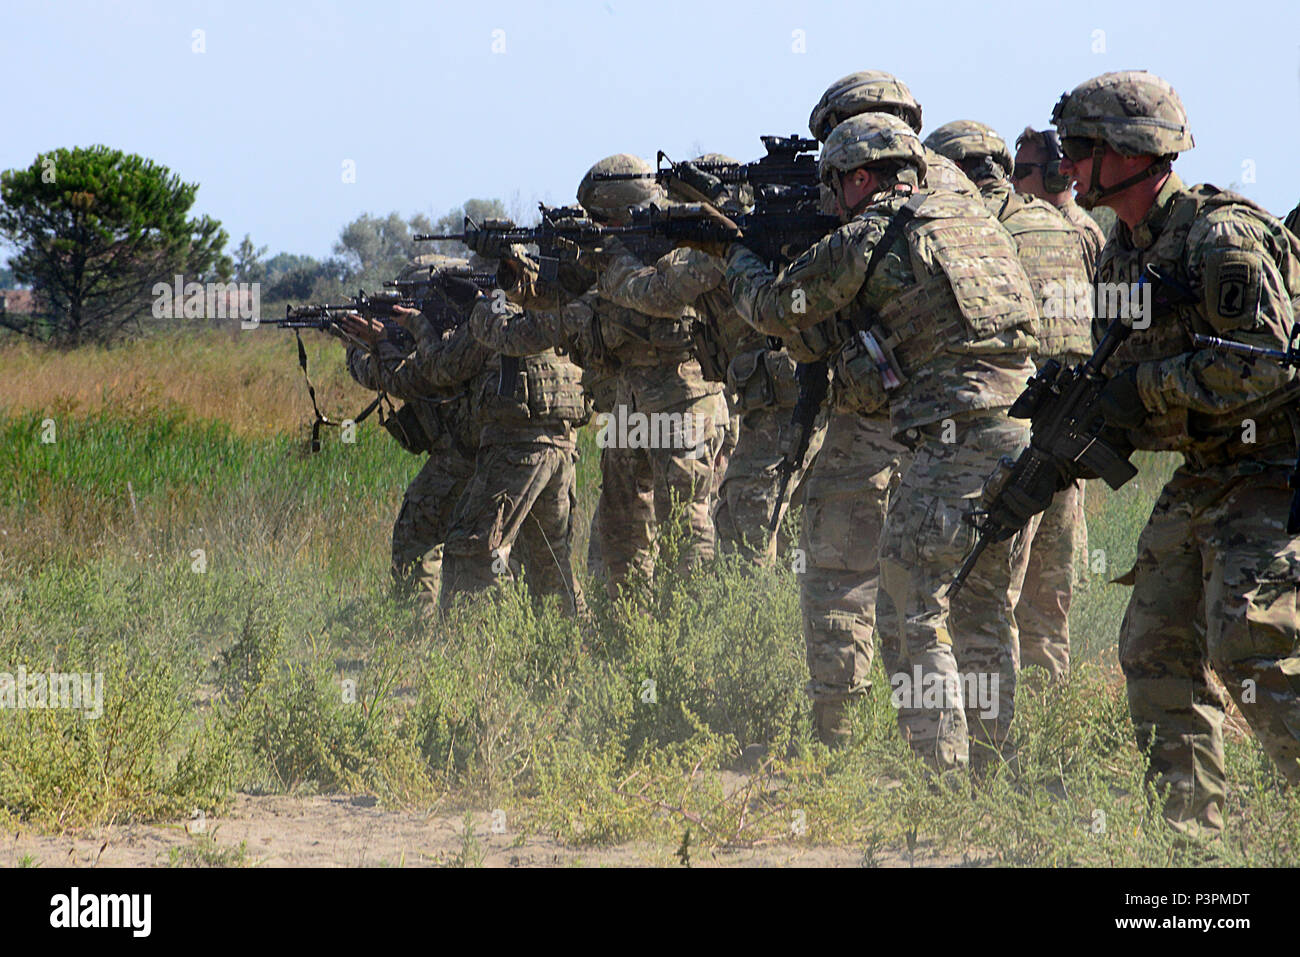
[[1021, 170], [1077, 147]]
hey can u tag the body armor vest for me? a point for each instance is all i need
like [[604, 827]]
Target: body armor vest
[[971, 294], [1179, 429], [1051, 253]]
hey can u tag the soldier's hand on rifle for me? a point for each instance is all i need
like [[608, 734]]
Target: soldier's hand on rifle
[[369, 331], [722, 225], [1120, 402], [694, 185], [487, 239], [403, 315], [462, 292]]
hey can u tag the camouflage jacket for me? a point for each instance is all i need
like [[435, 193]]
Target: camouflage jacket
[[544, 407], [569, 328], [1090, 234], [728, 349], [1234, 272], [448, 418], [943, 173], [949, 300], [1052, 252], [654, 358]]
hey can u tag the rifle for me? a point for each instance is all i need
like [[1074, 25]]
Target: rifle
[[563, 222], [814, 382], [324, 316], [782, 225], [560, 231], [1066, 443], [790, 161], [1288, 357]]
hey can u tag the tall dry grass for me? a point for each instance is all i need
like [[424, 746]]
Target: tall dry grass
[[248, 379]]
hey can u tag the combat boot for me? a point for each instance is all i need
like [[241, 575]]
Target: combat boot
[[831, 722]]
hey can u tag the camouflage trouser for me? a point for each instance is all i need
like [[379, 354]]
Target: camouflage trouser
[[1214, 587], [523, 493], [953, 657], [749, 487], [595, 554], [1043, 611], [422, 525], [638, 488], [848, 489]]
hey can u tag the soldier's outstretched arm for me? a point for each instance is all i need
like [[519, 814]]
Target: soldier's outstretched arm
[[664, 289], [448, 361], [510, 330], [809, 290]]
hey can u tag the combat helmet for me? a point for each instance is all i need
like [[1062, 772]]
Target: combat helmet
[[870, 138], [610, 199], [868, 91], [976, 148], [1135, 112]]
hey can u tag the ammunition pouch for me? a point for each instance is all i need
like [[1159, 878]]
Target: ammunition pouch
[[553, 390], [708, 351], [404, 425]]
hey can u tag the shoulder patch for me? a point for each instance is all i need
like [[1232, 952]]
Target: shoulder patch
[[1232, 287]]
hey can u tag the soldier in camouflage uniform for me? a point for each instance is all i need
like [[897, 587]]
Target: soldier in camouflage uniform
[[1216, 575], [440, 423], [658, 378], [760, 380], [843, 607], [930, 279], [522, 489], [1037, 172], [1054, 254]]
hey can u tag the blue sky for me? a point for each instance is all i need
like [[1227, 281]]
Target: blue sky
[[414, 94]]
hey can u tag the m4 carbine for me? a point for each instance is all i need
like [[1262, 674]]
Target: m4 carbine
[[1068, 440], [775, 231], [790, 161]]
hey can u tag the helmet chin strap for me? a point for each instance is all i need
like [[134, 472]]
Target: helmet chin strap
[[1096, 192]]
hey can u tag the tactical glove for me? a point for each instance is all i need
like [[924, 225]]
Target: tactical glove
[[694, 185], [487, 240], [1120, 403], [462, 292], [714, 224]]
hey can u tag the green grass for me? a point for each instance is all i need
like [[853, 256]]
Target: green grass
[[231, 677]]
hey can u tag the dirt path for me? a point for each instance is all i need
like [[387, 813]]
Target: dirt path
[[341, 831]]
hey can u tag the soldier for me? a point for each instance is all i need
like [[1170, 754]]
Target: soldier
[[842, 605], [1053, 252], [931, 277], [659, 443], [759, 378], [1037, 172], [435, 422], [1215, 581], [522, 488]]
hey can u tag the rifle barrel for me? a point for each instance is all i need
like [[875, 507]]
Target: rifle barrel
[[1240, 348]]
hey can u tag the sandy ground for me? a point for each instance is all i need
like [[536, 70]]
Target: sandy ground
[[342, 831]]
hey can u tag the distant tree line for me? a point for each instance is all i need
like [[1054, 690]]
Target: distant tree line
[[94, 230]]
